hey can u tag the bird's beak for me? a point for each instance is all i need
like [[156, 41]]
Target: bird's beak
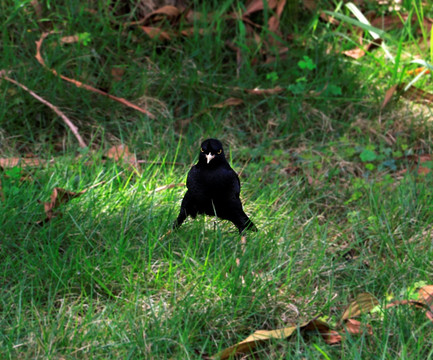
[[209, 157]]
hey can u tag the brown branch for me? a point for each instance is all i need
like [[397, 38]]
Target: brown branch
[[79, 84], [68, 122]]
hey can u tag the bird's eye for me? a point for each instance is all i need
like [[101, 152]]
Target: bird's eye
[[220, 151], [201, 149]]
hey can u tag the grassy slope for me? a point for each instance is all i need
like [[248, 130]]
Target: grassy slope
[[103, 281]]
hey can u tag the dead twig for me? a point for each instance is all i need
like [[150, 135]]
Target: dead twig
[[79, 84], [68, 122]]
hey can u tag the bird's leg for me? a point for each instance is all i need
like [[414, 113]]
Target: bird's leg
[[180, 219], [243, 243]]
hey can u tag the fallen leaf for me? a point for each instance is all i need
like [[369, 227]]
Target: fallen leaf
[[354, 53], [391, 22], [388, 95], [260, 336], [22, 162], [291, 170], [156, 33], [425, 158], [257, 5], [363, 303], [421, 170], [426, 295], [69, 39], [355, 327], [38, 9], [358, 52], [258, 91], [330, 336], [167, 10], [120, 152], [117, 73], [58, 197], [310, 4], [228, 102], [416, 95], [274, 21], [191, 31]]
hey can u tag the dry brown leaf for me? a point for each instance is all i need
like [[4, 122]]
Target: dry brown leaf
[[415, 161], [117, 73], [167, 10], [69, 39], [415, 303], [355, 327], [425, 158], [228, 102], [426, 295], [354, 53], [257, 5], [58, 197], [416, 95], [388, 95], [121, 152], [358, 52], [257, 91], [391, 22], [38, 9], [274, 21], [253, 340], [260, 336], [421, 170], [363, 303], [292, 170], [330, 336], [21, 162], [157, 33], [191, 31], [310, 4]]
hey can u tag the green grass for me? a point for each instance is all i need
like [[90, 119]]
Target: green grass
[[320, 174]]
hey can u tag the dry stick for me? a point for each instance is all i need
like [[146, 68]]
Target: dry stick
[[82, 85], [68, 122]]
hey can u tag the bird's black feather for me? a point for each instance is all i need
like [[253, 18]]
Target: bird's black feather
[[213, 189]]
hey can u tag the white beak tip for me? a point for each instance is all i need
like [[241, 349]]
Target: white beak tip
[[209, 157]]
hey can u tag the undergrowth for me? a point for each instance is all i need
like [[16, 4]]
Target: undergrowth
[[331, 180]]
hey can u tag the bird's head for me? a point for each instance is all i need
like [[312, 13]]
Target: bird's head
[[211, 152]]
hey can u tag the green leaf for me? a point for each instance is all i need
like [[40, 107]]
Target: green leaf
[[307, 63], [333, 90], [368, 155], [370, 166]]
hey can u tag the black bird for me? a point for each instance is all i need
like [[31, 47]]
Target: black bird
[[213, 189]]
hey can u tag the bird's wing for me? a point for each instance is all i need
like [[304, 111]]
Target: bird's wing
[[232, 180], [191, 179]]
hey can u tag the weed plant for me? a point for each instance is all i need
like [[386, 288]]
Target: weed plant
[[321, 172]]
